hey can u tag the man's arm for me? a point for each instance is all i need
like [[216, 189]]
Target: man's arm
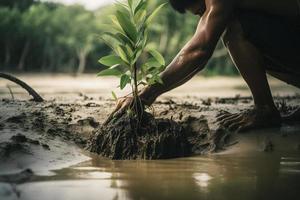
[[196, 53]]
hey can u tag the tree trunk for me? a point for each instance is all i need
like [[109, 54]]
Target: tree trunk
[[24, 55], [7, 54], [82, 62], [45, 55]]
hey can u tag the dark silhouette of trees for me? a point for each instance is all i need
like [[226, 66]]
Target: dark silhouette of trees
[[49, 37]]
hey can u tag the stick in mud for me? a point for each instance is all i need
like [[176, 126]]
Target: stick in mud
[[30, 90]]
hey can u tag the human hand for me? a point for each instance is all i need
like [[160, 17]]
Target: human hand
[[121, 106]]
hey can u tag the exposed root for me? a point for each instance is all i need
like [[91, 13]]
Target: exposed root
[[30, 90], [122, 138]]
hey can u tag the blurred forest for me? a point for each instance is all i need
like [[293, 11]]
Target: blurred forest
[[49, 37]]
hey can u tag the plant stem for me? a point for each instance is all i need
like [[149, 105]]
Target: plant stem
[[138, 107], [135, 81], [135, 90]]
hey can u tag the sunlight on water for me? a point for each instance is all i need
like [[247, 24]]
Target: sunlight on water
[[202, 179], [98, 175], [88, 168], [290, 165], [257, 176]]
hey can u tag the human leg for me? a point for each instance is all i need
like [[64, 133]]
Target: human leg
[[250, 62]]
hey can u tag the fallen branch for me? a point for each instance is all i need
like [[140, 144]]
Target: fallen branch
[[32, 92]]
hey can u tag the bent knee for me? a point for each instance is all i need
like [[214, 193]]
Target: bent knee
[[233, 34]]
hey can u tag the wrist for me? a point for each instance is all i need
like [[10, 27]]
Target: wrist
[[148, 96]]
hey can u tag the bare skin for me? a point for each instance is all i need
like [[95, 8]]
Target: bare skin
[[217, 17]]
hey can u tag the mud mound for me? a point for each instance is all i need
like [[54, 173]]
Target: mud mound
[[155, 138]]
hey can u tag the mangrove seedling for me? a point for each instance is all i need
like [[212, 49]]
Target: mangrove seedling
[[127, 36]]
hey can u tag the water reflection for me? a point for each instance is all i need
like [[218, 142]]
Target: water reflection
[[290, 165], [255, 175], [213, 177], [202, 179], [73, 189], [98, 175]]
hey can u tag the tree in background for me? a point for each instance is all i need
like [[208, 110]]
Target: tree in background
[[50, 37], [80, 35], [9, 32], [19, 4]]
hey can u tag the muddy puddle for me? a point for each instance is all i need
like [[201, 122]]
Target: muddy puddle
[[43, 156]]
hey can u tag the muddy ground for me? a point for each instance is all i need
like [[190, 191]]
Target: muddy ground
[[39, 137], [49, 133]]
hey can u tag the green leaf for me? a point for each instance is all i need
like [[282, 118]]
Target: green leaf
[[129, 52], [143, 83], [152, 62], [149, 79], [108, 28], [110, 72], [119, 39], [157, 56], [116, 24], [152, 79], [151, 70], [122, 54], [107, 42], [125, 79], [130, 3], [139, 5], [154, 13], [112, 39], [124, 39], [137, 54], [127, 26], [140, 16], [124, 8], [111, 60], [158, 79], [114, 95]]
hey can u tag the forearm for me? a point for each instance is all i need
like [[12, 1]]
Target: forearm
[[185, 65], [197, 51]]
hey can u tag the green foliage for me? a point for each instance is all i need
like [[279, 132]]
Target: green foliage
[[21, 4], [38, 36], [114, 95], [111, 60], [128, 39]]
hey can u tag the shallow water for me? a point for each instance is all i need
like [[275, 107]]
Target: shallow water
[[259, 177], [242, 172]]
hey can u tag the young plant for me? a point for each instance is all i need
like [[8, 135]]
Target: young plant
[[127, 36]]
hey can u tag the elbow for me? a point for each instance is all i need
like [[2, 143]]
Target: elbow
[[202, 56]]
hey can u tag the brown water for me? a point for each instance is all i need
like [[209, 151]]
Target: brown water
[[242, 172]]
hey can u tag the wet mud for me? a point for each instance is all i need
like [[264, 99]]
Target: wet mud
[[171, 129], [156, 138]]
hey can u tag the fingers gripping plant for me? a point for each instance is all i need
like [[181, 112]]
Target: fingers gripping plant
[[127, 36]]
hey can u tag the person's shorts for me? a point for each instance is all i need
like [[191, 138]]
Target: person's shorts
[[278, 38]]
